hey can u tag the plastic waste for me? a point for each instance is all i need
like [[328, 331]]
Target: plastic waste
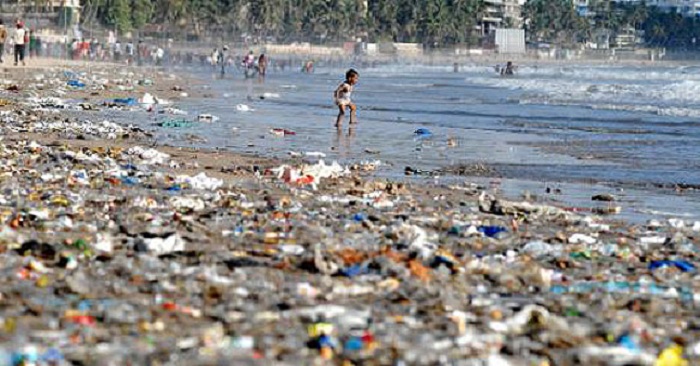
[[282, 132], [684, 266], [207, 118], [75, 84], [244, 108], [200, 181], [170, 243], [125, 101], [422, 133], [491, 231], [176, 123], [120, 254], [671, 356]]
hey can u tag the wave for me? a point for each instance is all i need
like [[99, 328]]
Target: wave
[[669, 93], [404, 69], [570, 71], [608, 73], [653, 109]]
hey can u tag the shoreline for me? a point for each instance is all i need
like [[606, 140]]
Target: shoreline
[[120, 254]]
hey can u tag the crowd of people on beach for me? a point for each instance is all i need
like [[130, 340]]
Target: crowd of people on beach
[[22, 43], [221, 59]]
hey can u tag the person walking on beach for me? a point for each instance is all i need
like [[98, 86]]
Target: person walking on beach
[[129, 53], [342, 98], [117, 51], [222, 59], [20, 39], [262, 65], [308, 67], [3, 38]]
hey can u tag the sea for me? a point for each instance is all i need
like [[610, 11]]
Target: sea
[[560, 132]]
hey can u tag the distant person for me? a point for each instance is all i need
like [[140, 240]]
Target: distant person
[[159, 56], [38, 47], [222, 59], [508, 70], [140, 52], [262, 65], [342, 96], [214, 57], [20, 40], [308, 67], [249, 65], [129, 53], [117, 51], [249, 60], [32, 44], [3, 38]]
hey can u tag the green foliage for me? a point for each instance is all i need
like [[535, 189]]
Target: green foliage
[[551, 20], [118, 15], [435, 23], [557, 21], [141, 12]]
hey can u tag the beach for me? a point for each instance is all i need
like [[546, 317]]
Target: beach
[[209, 224]]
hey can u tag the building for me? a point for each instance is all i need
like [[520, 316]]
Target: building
[[501, 14], [686, 7], [689, 8], [513, 13], [41, 14], [582, 8]]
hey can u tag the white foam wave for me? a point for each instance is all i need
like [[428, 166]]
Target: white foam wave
[[404, 69], [653, 109], [629, 73], [669, 89]]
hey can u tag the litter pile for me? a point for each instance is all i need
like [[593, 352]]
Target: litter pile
[[113, 255]]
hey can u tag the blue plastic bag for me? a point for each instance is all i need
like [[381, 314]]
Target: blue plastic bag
[[125, 101], [684, 266], [76, 83], [422, 133], [491, 231]]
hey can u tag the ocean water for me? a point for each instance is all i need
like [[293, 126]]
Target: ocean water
[[633, 131]]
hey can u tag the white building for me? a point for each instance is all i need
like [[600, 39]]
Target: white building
[[685, 7], [501, 14]]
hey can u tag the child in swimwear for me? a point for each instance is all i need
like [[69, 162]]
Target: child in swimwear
[[342, 97]]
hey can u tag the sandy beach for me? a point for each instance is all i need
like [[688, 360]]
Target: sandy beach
[[119, 250]]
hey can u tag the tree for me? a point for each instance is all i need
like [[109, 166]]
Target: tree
[[119, 15], [141, 13], [551, 21]]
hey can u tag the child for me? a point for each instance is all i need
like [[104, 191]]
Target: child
[[342, 97]]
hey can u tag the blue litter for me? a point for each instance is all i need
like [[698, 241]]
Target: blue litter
[[174, 188], [422, 132], [491, 231], [130, 181], [439, 259], [52, 355], [125, 101], [354, 270], [628, 342], [682, 265], [84, 305], [76, 83], [353, 344], [359, 217], [325, 341]]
